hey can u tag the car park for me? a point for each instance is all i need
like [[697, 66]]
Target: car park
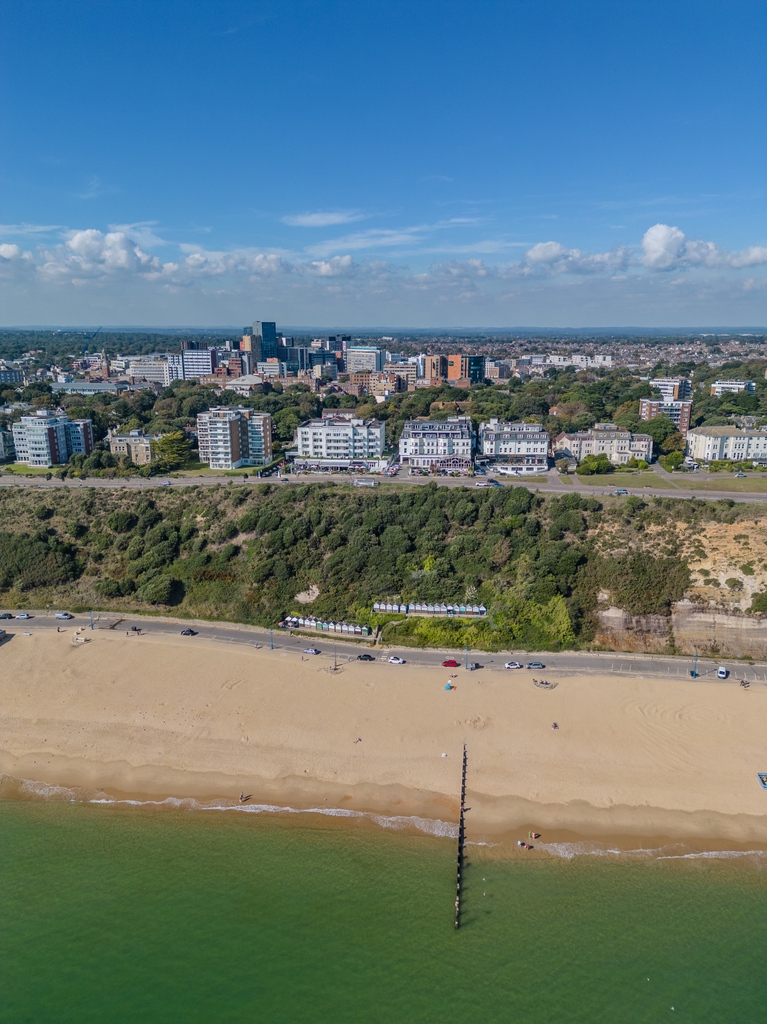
[[722, 672], [394, 660], [365, 657], [450, 663], [189, 632], [512, 664], [311, 650], [535, 664], [63, 615], [23, 615]]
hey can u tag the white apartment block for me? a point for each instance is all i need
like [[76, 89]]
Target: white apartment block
[[673, 389], [604, 439], [157, 371], [438, 444], [363, 359], [340, 442], [48, 439], [230, 438], [707, 444], [521, 444], [198, 362], [723, 387]]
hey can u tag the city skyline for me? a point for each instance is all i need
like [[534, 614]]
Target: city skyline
[[419, 166]]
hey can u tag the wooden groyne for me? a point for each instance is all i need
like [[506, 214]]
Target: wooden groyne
[[459, 863]]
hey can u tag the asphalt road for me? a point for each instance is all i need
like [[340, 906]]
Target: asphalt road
[[549, 483], [293, 645]]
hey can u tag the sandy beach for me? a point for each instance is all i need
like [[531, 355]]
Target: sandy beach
[[156, 716]]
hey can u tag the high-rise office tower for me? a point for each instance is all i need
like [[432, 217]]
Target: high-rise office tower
[[266, 333]]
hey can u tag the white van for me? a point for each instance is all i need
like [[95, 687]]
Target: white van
[[722, 672]]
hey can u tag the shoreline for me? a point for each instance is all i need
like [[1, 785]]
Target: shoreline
[[637, 763], [558, 843]]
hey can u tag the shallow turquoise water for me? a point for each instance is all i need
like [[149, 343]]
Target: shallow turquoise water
[[109, 914]]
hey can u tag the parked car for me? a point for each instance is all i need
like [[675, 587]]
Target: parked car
[[620, 490], [742, 475], [63, 615], [473, 665], [535, 664], [450, 663], [189, 632], [24, 615], [365, 657], [6, 615], [512, 664], [495, 483], [311, 650], [722, 672], [394, 660]]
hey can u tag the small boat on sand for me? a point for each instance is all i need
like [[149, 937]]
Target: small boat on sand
[[762, 776]]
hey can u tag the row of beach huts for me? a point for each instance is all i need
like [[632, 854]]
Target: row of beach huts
[[420, 608], [309, 622]]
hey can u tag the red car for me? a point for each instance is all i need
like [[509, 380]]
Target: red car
[[450, 663]]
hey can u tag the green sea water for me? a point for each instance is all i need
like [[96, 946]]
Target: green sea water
[[117, 915]]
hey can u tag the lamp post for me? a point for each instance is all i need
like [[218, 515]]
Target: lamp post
[[466, 665], [91, 615], [694, 672], [271, 640]]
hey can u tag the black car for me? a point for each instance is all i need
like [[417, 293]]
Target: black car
[[365, 657], [189, 632], [6, 615]]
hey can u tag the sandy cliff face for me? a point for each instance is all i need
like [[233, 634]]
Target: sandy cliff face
[[710, 631], [728, 568]]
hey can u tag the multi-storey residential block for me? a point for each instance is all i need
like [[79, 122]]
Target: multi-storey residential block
[[435, 367], [10, 375], [229, 437], [604, 439], [707, 444], [135, 446], [514, 444], [678, 412], [7, 449], [470, 368], [438, 444], [340, 442], [723, 387], [673, 389], [48, 439], [198, 362], [363, 359], [157, 371], [497, 369]]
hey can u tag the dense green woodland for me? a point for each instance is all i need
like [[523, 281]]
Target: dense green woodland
[[243, 553]]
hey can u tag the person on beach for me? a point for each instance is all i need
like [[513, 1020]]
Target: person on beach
[[554, 725]]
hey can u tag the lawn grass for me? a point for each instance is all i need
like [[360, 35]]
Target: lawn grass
[[751, 484], [628, 480], [21, 469]]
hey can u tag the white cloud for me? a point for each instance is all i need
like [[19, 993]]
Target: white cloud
[[555, 258], [668, 248], [95, 270], [322, 218], [16, 230], [142, 231]]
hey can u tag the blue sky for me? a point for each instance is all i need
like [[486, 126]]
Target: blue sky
[[388, 163]]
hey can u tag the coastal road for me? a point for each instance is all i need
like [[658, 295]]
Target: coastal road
[[550, 482], [255, 638]]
